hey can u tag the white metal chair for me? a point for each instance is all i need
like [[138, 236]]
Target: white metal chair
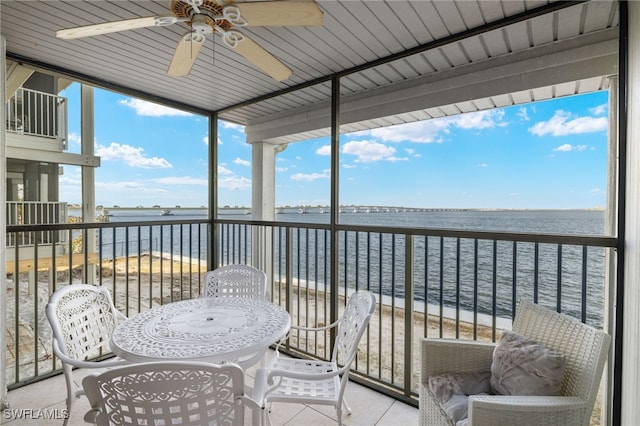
[[309, 381], [168, 393], [585, 350], [235, 281], [82, 318]]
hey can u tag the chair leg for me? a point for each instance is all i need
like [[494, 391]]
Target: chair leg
[[346, 406], [265, 418], [70, 393]]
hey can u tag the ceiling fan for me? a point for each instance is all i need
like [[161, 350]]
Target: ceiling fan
[[217, 17]]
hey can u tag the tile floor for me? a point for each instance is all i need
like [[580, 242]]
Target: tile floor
[[369, 407]]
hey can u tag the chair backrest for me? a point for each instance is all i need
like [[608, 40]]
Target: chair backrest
[[585, 348], [235, 281], [169, 393], [82, 318], [351, 326]]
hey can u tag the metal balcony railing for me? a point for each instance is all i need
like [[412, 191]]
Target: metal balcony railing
[[30, 112], [35, 212], [428, 282]]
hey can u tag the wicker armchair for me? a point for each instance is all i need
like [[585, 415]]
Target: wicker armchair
[[584, 348]]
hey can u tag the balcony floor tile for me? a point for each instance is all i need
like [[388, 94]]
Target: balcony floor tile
[[369, 407]]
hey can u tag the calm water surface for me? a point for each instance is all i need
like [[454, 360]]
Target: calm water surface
[[449, 271]]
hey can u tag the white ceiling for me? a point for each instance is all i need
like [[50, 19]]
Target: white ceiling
[[450, 40]]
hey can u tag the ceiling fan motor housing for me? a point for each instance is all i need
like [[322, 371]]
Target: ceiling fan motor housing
[[209, 13]]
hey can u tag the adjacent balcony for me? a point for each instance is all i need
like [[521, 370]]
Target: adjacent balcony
[[30, 112]]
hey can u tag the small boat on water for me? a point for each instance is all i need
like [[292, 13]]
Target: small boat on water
[[166, 212]]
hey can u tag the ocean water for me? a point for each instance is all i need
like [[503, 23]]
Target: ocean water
[[454, 272], [463, 273]]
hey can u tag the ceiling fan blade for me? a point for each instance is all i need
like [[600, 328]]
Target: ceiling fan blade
[[281, 13], [262, 59], [185, 54], [112, 27]]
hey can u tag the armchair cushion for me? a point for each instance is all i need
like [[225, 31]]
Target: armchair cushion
[[445, 386], [452, 391], [522, 366]]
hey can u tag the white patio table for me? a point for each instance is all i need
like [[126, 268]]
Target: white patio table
[[214, 330]]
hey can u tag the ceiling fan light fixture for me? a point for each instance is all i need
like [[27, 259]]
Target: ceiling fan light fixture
[[165, 21], [232, 38], [233, 15]]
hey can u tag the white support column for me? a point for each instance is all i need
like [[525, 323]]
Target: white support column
[[3, 232], [88, 173], [631, 334], [611, 226], [263, 180], [263, 183]]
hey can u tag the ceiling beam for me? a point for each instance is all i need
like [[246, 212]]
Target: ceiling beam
[[16, 76], [576, 59]]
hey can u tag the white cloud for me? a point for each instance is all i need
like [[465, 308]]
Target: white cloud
[[523, 114], [239, 161], [564, 123], [369, 151], [564, 148], [419, 131], [182, 180], [429, 131], [281, 169], [125, 186], [599, 110], [412, 152], [568, 147], [74, 138], [479, 120], [150, 109], [222, 170], [310, 177], [349, 166], [229, 125], [234, 182], [324, 150], [132, 156], [483, 165]]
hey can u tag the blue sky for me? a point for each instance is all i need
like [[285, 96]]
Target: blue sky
[[550, 154]]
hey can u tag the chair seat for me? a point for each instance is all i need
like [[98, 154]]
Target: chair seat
[[311, 391]]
